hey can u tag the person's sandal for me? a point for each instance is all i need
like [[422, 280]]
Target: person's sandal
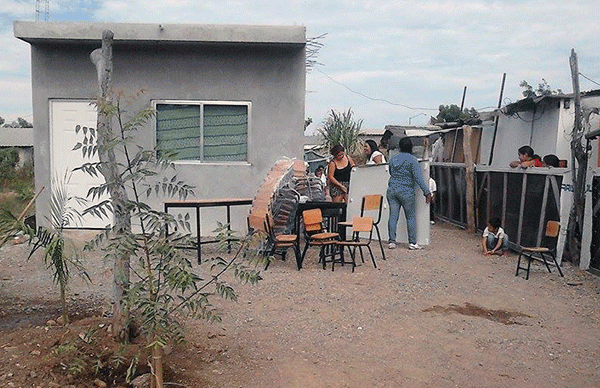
[[392, 245]]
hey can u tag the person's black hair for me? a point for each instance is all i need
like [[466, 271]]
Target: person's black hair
[[372, 145], [536, 156], [526, 150], [551, 160], [495, 222], [405, 145], [385, 139], [336, 149]]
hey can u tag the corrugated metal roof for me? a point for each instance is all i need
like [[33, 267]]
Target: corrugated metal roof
[[16, 137]]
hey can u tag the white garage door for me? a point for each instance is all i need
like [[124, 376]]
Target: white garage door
[[64, 117]]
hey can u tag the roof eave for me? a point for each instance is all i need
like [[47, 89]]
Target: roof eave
[[78, 33]]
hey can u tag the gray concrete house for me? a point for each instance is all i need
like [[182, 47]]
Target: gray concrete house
[[20, 139], [229, 98]]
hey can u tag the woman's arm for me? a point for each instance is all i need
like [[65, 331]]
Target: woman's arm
[[378, 159], [418, 176]]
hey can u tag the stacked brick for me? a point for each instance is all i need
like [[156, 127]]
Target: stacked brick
[[277, 195]]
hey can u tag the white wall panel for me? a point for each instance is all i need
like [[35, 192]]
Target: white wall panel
[[374, 180]]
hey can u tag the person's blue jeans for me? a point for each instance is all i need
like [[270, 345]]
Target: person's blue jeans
[[408, 202], [492, 241]]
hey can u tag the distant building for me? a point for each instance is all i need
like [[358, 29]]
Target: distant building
[[20, 139]]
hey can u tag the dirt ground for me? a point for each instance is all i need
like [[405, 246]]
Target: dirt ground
[[445, 316]]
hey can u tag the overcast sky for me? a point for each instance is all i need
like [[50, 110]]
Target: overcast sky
[[389, 61]]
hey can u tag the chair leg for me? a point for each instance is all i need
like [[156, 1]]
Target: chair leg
[[557, 266], [380, 243], [529, 258], [270, 253], [322, 257], [362, 257], [304, 252], [372, 257], [545, 262], [298, 256], [519, 264]]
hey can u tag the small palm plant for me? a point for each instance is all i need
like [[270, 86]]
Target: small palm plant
[[341, 128], [60, 253]]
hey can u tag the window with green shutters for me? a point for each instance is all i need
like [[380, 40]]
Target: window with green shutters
[[203, 131]]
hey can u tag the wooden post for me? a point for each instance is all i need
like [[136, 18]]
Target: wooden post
[[504, 197], [578, 168], [102, 59], [469, 176]]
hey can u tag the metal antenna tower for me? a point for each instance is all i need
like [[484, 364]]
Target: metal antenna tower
[[39, 4]]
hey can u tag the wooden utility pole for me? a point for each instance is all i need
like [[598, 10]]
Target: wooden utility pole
[[469, 176], [578, 171], [102, 58]]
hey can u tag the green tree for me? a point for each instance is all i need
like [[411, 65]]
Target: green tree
[[307, 122], [543, 89], [162, 285], [341, 128], [22, 123], [452, 113], [1, 120]]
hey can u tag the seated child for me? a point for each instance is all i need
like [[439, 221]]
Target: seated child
[[494, 241]]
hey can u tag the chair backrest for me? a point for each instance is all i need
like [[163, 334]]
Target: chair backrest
[[362, 224], [372, 202], [313, 220], [269, 224], [552, 228]]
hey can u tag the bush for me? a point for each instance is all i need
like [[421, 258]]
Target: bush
[[23, 183], [9, 157]]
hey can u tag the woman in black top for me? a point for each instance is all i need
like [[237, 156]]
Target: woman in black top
[[338, 174]]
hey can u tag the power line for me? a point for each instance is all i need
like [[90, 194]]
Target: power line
[[369, 97], [589, 79]]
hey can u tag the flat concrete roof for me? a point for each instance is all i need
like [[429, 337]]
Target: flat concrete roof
[[63, 32], [16, 137]]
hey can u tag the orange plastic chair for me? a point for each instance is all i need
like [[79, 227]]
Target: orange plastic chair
[[315, 235], [281, 242], [371, 203], [360, 225]]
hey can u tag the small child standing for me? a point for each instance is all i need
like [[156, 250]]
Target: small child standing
[[494, 241], [433, 191]]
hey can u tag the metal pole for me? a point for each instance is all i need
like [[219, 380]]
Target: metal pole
[[462, 104], [497, 119]]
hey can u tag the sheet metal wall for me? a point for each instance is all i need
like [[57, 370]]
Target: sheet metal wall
[[451, 200], [523, 199]]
